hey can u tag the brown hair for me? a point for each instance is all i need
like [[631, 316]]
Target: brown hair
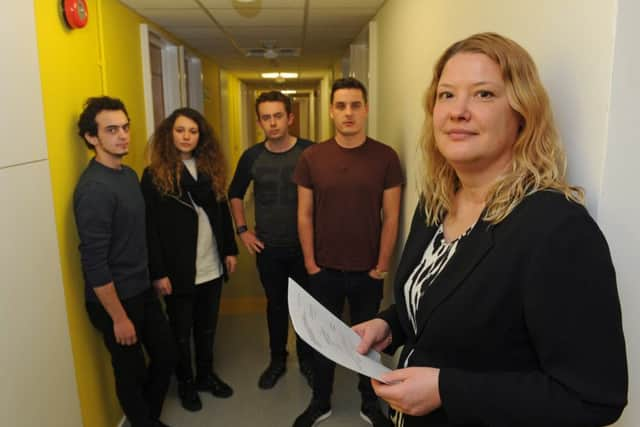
[[165, 164]]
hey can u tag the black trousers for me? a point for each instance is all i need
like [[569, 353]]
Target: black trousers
[[332, 288], [275, 266], [196, 313], [141, 390]]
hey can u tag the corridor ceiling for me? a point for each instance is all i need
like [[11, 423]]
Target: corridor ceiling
[[226, 29]]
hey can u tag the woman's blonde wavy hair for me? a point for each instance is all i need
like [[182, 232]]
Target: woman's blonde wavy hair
[[538, 157], [166, 165]]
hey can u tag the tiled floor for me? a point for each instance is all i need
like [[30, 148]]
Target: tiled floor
[[241, 355]]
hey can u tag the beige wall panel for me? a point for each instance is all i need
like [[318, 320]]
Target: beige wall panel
[[38, 385], [21, 119]]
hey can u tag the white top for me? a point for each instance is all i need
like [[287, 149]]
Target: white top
[[434, 260], [208, 264]]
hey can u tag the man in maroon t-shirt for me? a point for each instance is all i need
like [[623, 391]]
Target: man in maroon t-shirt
[[349, 190]]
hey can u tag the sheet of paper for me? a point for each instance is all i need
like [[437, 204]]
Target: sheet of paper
[[329, 335]]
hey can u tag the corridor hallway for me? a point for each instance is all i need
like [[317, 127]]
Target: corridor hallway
[[241, 353]]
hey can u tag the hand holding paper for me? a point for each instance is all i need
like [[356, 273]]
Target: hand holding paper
[[319, 328]]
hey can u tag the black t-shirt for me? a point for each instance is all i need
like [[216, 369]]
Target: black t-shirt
[[276, 195]]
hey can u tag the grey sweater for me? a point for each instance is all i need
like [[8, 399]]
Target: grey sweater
[[110, 216]]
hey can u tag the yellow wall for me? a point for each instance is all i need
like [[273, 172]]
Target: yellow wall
[[102, 58], [235, 122], [211, 87]]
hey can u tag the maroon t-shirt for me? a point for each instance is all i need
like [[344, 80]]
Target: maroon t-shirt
[[347, 185]]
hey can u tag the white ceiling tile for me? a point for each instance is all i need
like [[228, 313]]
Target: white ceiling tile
[[251, 36], [340, 17], [195, 33], [177, 17], [345, 4], [266, 4], [259, 17], [161, 4], [332, 25]]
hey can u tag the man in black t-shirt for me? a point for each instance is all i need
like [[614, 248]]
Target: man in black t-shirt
[[110, 216], [270, 166]]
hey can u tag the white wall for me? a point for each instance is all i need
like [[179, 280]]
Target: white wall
[[619, 207], [37, 377], [572, 42]]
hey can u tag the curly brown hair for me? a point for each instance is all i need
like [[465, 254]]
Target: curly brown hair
[[165, 164]]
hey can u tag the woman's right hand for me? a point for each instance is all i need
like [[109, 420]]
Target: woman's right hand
[[375, 333]]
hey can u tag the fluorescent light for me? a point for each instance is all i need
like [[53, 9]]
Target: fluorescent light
[[279, 75], [288, 92]]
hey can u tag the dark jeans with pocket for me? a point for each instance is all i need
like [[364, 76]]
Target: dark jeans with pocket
[[332, 288], [141, 389], [275, 266]]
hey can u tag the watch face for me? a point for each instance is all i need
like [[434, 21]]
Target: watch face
[[76, 13]]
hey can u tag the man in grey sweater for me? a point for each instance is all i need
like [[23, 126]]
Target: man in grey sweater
[[110, 216]]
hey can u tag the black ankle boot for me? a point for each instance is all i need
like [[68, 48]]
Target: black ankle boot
[[189, 396], [272, 374], [212, 383]]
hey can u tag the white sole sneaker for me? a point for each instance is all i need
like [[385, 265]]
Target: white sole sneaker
[[321, 418]]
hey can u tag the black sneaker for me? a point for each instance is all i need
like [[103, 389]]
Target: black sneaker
[[189, 396], [272, 374], [316, 411], [370, 412], [215, 385], [307, 372]]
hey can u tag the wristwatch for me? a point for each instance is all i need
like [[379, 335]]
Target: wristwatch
[[241, 229]]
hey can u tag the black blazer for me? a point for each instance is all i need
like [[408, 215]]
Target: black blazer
[[172, 229], [524, 321]]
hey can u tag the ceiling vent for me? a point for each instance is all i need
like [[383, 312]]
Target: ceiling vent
[[269, 50]]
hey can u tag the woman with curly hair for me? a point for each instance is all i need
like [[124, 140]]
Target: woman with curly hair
[[506, 298], [190, 241]]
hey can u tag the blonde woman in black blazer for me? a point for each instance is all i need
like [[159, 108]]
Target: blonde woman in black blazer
[[506, 298]]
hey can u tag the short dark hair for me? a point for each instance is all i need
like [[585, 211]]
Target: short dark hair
[[273, 96], [92, 107], [349, 83]]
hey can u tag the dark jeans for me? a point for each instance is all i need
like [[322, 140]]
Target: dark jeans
[[275, 266], [197, 312], [331, 288], [141, 390]]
